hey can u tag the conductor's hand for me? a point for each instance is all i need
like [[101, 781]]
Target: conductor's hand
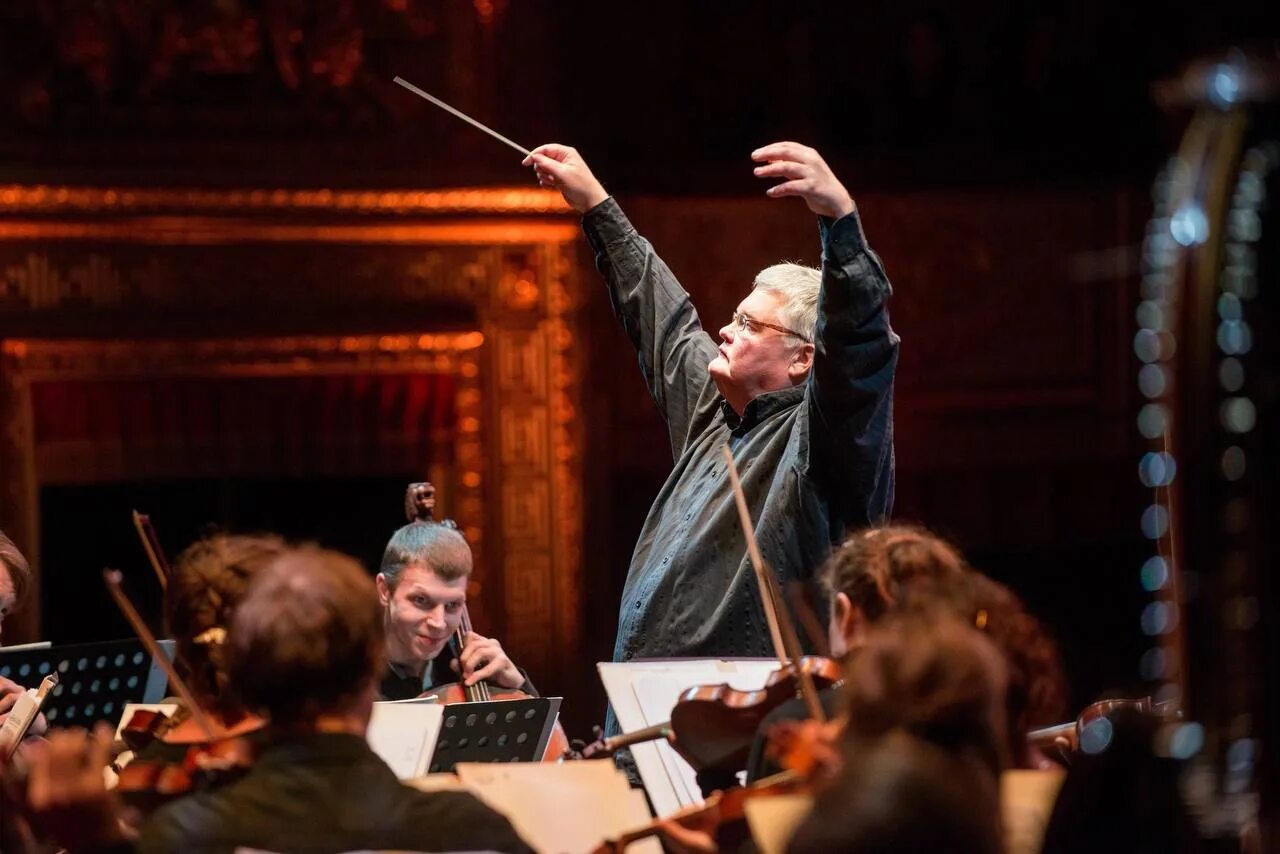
[[483, 659], [563, 168], [805, 174]]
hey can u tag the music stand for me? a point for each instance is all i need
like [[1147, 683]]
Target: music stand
[[495, 731], [95, 679]]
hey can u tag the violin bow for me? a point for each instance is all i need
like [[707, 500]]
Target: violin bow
[[112, 578], [785, 640], [151, 545]]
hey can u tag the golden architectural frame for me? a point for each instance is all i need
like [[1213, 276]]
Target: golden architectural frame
[[508, 255]]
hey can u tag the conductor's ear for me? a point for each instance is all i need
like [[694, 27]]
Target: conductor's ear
[[801, 364]]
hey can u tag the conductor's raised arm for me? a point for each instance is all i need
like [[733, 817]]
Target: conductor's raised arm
[[562, 168]]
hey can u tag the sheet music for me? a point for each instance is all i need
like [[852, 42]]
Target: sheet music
[[533, 796], [668, 779], [657, 695], [404, 735]]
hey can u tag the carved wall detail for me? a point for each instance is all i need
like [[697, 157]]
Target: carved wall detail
[[473, 284]]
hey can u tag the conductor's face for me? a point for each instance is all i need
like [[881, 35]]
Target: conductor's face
[[758, 352], [423, 611]]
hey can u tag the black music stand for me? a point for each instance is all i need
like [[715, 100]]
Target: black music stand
[[495, 731], [95, 680]]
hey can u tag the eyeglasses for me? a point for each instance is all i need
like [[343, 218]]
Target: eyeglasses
[[748, 325]]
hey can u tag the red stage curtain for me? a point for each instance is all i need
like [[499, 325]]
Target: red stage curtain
[[95, 430]]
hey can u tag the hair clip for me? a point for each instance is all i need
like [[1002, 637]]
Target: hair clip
[[214, 636]]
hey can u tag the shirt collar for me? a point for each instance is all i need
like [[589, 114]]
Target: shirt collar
[[761, 407], [325, 745]]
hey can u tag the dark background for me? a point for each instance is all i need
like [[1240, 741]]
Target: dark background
[[1001, 114]]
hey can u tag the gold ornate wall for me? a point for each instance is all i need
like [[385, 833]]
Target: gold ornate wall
[[479, 285]]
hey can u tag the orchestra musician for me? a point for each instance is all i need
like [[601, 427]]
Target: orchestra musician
[[422, 588], [875, 573], [15, 585], [207, 582], [894, 570], [799, 385], [306, 649]]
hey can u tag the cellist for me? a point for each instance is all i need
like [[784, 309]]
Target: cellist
[[422, 587]]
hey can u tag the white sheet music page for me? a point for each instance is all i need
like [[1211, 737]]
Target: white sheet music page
[[643, 693], [404, 735]]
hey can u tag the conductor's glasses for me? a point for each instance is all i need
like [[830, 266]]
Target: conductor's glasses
[[745, 324]]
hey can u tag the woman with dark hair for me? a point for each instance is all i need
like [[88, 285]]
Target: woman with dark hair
[[15, 586], [15, 577], [207, 582], [875, 573], [924, 745]]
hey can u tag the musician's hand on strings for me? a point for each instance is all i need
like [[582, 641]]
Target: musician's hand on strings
[[66, 792], [10, 691], [806, 175], [685, 840], [483, 659], [562, 168]]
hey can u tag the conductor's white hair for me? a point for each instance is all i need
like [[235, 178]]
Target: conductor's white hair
[[797, 286]]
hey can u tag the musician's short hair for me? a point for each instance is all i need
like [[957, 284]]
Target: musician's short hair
[[15, 563], [206, 583], [798, 286], [307, 638], [882, 568], [437, 546]]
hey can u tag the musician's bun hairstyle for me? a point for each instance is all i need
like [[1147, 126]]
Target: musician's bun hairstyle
[[924, 745], [932, 674], [437, 546], [882, 568], [204, 588], [904, 795], [308, 637], [19, 570]]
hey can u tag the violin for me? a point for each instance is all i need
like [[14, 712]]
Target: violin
[[1061, 740], [419, 506], [721, 808], [712, 727], [809, 753], [213, 753]]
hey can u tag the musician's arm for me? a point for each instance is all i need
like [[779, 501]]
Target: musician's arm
[[10, 691], [654, 309], [855, 360]]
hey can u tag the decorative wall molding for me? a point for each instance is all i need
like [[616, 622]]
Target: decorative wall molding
[[18, 199], [477, 284]]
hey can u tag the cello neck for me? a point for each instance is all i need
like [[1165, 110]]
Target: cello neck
[[419, 506]]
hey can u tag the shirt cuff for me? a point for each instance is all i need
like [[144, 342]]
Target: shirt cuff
[[605, 224], [843, 238]]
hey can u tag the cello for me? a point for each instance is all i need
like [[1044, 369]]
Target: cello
[[419, 506]]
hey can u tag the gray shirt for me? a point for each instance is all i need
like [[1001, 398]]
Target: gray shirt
[[816, 460]]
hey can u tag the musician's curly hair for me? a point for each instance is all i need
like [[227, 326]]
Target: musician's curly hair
[[19, 570], [206, 585], [880, 568], [1037, 681]]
